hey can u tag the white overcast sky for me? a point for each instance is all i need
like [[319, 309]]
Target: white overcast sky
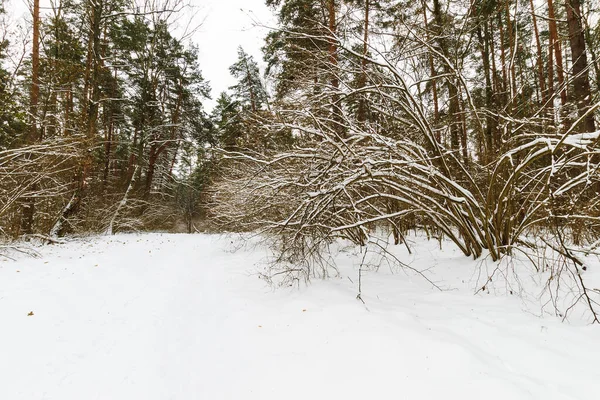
[[224, 25], [227, 25]]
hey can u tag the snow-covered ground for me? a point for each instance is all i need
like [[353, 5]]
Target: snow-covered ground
[[162, 316]]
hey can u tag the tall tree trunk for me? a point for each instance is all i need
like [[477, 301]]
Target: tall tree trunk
[[512, 47], [152, 157], [362, 80], [463, 129], [174, 159], [96, 60], [29, 203], [69, 105], [580, 94], [495, 84], [109, 133], [333, 66], [503, 60], [96, 7], [550, 89], [35, 73], [555, 43], [108, 149], [436, 107], [540, 59], [489, 121], [333, 57], [455, 121]]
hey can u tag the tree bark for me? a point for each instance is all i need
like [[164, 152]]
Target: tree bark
[[333, 58], [503, 60], [35, 73], [333, 66], [95, 36], [455, 121], [362, 106], [555, 44], [580, 94], [489, 99], [540, 60], [28, 211], [511, 46], [436, 108]]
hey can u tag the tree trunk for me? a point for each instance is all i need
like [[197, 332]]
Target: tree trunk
[[35, 73], [463, 130], [109, 134], [540, 60], [489, 121], [333, 66], [333, 58], [503, 60], [95, 35], [110, 228], [152, 157], [29, 203], [362, 80], [436, 109], [454, 121], [57, 228], [511, 46], [580, 94], [550, 88], [555, 44]]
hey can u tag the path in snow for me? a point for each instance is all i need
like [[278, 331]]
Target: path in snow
[[182, 317]]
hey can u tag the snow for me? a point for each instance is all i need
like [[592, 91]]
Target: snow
[[160, 316], [581, 140]]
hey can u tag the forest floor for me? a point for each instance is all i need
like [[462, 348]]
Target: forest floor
[[160, 316]]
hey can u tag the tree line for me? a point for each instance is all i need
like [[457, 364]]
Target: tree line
[[473, 121], [102, 119], [488, 94]]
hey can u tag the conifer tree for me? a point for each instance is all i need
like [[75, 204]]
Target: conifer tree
[[227, 118], [12, 119], [249, 91]]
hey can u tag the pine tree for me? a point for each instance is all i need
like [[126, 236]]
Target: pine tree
[[61, 71], [249, 91], [227, 117], [297, 55], [12, 119]]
